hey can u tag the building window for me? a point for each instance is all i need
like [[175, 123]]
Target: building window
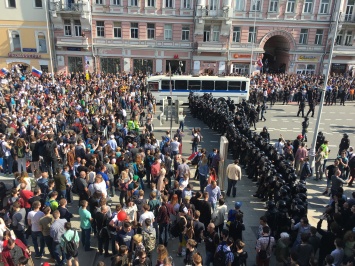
[[42, 44], [236, 34], [308, 6], [339, 40], [150, 31], [134, 30], [67, 27], [75, 64], [134, 2], [303, 36], [239, 5], [252, 35], [16, 41], [151, 3], [306, 69], [290, 8], [116, 2], [185, 33], [256, 6], [207, 33], [99, 2], [212, 4], [38, 4], [100, 29], [319, 37], [186, 4], [117, 31], [349, 38], [215, 33], [77, 28], [11, 3], [273, 5], [168, 32], [349, 10], [110, 65], [169, 3], [324, 7]]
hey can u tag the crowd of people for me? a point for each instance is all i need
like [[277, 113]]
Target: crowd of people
[[94, 138]]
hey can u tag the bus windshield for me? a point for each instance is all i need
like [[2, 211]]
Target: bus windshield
[[153, 86]]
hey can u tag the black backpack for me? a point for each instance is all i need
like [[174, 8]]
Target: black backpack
[[71, 247], [195, 140], [352, 162], [220, 257], [48, 149]]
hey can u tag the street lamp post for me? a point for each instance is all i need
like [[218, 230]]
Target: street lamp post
[[253, 38], [49, 40], [316, 128]]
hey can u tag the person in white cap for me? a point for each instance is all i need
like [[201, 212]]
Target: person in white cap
[[112, 143]]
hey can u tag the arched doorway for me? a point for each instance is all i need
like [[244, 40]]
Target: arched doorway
[[276, 57]]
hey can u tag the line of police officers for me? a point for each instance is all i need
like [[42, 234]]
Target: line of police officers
[[274, 176]]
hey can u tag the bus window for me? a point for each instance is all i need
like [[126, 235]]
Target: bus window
[[195, 85], [244, 85], [153, 86], [234, 85], [181, 85], [207, 85], [165, 84], [221, 85]]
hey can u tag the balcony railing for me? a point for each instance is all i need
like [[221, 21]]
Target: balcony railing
[[69, 41], [66, 6], [211, 46], [141, 43], [220, 13], [347, 18]]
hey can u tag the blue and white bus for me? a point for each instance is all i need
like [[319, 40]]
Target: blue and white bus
[[237, 88]]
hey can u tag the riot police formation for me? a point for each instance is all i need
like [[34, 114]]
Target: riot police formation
[[275, 178]]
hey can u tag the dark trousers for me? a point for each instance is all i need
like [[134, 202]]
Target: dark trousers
[[123, 195], [57, 251], [260, 262], [163, 234], [49, 242], [35, 235], [203, 182], [300, 111], [69, 194], [85, 238], [103, 244], [232, 186], [51, 164]]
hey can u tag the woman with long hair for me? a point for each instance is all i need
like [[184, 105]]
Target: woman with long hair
[[160, 183], [24, 178], [139, 169], [162, 254]]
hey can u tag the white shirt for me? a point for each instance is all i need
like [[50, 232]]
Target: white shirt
[[34, 217], [124, 113], [92, 176], [146, 215], [131, 211], [6, 150], [100, 187], [279, 147]]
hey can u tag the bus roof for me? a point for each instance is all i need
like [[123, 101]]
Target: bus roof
[[189, 77]]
